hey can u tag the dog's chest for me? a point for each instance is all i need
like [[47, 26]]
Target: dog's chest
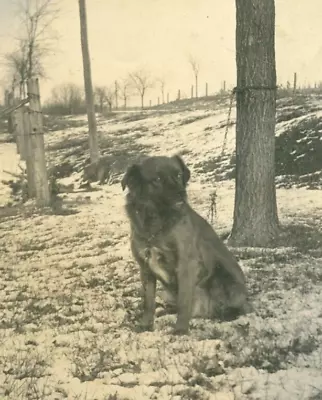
[[162, 261]]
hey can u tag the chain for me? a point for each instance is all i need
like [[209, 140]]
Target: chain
[[228, 120], [213, 196], [212, 213], [233, 92]]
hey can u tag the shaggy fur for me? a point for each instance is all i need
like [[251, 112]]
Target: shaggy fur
[[175, 245]]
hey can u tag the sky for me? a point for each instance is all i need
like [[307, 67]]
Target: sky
[[159, 36]]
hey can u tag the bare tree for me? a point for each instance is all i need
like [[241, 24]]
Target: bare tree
[[93, 139], [125, 90], [110, 97], [17, 65], [195, 68], [100, 97], [35, 40], [141, 82], [68, 96], [105, 95], [255, 213], [161, 81], [116, 94]]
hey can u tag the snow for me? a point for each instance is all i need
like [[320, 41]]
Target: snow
[[69, 291], [9, 161]]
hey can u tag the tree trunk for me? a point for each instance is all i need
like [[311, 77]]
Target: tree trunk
[[93, 139], [255, 213], [196, 86], [142, 101], [30, 59]]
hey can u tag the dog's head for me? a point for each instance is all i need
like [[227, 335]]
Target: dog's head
[[158, 179]]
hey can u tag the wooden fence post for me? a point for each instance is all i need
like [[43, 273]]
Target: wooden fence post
[[295, 82], [168, 98], [29, 155], [37, 139], [10, 100], [6, 100], [179, 95], [20, 132], [15, 132]]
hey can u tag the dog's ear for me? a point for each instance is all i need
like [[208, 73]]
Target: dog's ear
[[184, 168], [132, 176]]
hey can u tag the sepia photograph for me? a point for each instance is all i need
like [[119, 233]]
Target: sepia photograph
[[160, 200]]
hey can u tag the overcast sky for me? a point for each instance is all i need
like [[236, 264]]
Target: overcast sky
[[159, 34]]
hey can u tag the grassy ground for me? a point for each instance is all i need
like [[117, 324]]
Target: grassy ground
[[70, 291]]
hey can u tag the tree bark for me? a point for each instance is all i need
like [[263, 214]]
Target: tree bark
[[36, 137], [93, 138], [255, 212]]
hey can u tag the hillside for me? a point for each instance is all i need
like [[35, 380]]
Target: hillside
[[70, 290], [198, 128]]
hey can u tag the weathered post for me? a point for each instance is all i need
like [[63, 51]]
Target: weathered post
[[36, 133], [20, 133], [13, 116], [91, 118], [29, 155], [295, 82], [9, 103]]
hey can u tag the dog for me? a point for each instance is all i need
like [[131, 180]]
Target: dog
[[176, 246]]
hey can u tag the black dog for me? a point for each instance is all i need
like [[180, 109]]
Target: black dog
[[174, 244]]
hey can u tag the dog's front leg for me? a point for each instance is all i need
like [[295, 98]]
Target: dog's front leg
[[149, 288], [186, 289]]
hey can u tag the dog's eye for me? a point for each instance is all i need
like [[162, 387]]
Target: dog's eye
[[155, 180]]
